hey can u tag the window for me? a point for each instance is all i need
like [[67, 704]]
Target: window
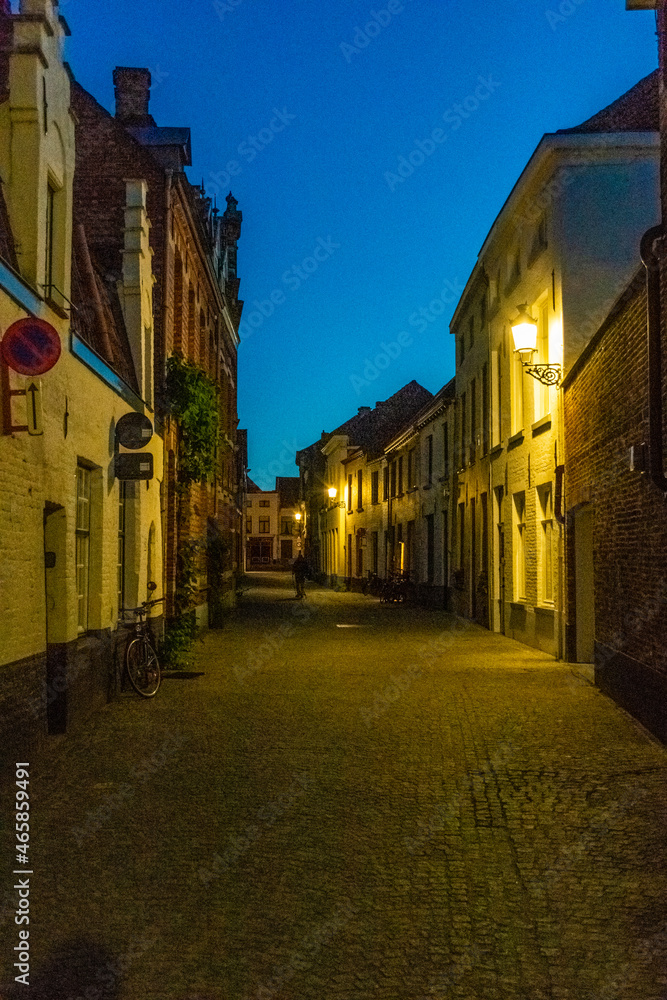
[[248, 503], [360, 490], [82, 553], [286, 524], [374, 552], [265, 525], [517, 393], [248, 525], [409, 552], [429, 460], [121, 544], [393, 479], [473, 420], [462, 536], [495, 399], [519, 546], [545, 533], [385, 483], [471, 332], [411, 463], [445, 449], [513, 271], [462, 451], [461, 344], [264, 503], [400, 476], [485, 408], [540, 241], [375, 486], [541, 392], [50, 227], [430, 548], [349, 492]]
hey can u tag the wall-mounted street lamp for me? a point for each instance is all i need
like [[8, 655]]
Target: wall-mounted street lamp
[[333, 493], [524, 332]]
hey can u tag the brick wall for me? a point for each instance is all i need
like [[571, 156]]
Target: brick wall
[[605, 414]]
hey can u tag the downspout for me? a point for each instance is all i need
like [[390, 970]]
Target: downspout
[[651, 262]]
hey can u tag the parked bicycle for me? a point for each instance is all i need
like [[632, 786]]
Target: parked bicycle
[[396, 589], [141, 660]]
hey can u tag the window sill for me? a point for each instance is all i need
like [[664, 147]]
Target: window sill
[[360, 510], [427, 486], [520, 605], [515, 440], [545, 609], [541, 425]]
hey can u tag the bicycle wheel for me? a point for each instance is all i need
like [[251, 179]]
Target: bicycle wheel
[[143, 667]]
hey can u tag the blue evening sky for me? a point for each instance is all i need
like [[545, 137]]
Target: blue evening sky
[[307, 118]]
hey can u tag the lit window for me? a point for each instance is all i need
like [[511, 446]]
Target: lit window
[[375, 486], [541, 397], [264, 525], [545, 531]]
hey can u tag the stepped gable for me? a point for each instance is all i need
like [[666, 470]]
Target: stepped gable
[[638, 110]]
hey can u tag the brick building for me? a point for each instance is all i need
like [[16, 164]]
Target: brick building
[[356, 532], [563, 246], [617, 516], [196, 313], [77, 539]]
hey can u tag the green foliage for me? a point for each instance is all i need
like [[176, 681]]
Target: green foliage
[[192, 398], [186, 575], [179, 637]]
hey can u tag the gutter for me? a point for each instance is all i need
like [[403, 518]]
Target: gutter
[[651, 262]]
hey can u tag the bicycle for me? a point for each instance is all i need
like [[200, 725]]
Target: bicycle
[[141, 660]]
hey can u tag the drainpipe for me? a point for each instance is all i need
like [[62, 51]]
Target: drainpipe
[[651, 262]]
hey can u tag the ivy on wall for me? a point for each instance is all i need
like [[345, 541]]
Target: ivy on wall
[[192, 399]]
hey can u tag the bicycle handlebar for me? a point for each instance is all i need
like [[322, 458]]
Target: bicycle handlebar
[[142, 607]]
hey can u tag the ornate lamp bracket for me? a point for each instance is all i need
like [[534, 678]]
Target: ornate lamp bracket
[[546, 374]]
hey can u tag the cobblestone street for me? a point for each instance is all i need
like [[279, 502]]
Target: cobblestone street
[[345, 800]]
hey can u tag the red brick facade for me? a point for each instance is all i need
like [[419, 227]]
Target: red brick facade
[[195, 306], [605, 398]]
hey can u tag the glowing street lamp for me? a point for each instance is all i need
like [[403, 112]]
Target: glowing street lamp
[[524, 332], [332, 492]]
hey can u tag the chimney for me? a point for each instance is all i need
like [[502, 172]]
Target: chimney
[[132, 90], [364, 409]]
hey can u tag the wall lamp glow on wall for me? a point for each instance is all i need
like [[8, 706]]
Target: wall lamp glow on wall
[[333, 493], [524, 331]]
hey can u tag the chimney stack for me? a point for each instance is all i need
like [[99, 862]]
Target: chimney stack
[[132, 90]]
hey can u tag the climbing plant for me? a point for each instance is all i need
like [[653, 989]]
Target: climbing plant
[[192, 399]]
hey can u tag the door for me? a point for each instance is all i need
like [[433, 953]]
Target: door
[[473, 560]]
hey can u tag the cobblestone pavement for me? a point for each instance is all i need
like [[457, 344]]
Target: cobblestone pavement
[[349, 801]]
